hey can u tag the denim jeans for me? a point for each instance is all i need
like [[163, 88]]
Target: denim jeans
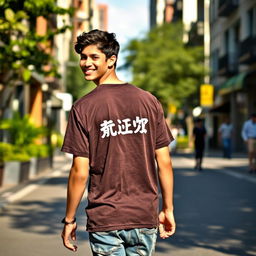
[[226, 142], [130, 242]]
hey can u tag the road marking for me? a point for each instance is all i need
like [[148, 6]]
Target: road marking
[[187, 163], [23, 192], [28, 189], [238, 175]]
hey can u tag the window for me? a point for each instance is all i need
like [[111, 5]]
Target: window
[[213, 10], [226, 41], [214, 62], [250, 22]]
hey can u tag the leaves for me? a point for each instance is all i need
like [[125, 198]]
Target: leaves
[[26, 75], [22, 131], [20, 46], [163, 65], [9, 15]]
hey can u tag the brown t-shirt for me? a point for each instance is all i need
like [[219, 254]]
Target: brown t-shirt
[[118, 127]]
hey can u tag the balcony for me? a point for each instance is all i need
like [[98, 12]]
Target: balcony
[[228, 64], [226, 7], [248, 50]]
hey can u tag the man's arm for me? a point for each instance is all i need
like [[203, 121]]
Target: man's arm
[[166, 217], [76, 186], [244, 132]]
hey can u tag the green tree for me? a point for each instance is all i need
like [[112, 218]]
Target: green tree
[[162, 64], [76, 84], [22, 50]]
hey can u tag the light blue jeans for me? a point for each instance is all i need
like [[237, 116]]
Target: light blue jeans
[[128, 242]]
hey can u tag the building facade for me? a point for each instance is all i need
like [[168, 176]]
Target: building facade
[[165, 11], [233, 62]]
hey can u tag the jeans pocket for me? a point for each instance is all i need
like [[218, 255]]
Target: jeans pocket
[[102, 243], [147, 238]]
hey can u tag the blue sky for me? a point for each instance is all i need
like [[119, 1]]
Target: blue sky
[[127, 19]]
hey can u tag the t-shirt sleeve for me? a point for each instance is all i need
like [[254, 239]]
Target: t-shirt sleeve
[[163, 133], [76, 137]]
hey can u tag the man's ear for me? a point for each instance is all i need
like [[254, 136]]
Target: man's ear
[[111, 61]]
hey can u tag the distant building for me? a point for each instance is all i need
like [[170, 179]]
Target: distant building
[[233, 62], [193, 20], [189, 12], [165, 11], [101, 21], [83, 17]]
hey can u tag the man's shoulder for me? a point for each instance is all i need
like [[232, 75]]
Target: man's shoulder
[[248, 122], [142, 91], [85, 99]]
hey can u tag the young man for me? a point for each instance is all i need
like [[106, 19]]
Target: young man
[[249, 136], [199, 133], [225, 136], [115, 133]]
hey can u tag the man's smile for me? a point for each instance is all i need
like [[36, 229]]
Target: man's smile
[[89, 71]]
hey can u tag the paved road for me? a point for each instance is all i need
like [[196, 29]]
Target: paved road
[[215, 212]]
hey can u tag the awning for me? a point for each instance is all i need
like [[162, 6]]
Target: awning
[[222, 108], [233, 84]]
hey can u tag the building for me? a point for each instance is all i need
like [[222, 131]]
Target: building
[[233, 62], [89, 15], [83, 16], [101, 17], [165, 11]]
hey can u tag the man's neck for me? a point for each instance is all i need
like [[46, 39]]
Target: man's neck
[[110, 78]]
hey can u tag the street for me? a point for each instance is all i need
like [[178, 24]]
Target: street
[[215, 213]]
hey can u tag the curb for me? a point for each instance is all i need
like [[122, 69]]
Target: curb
[[14, 193]]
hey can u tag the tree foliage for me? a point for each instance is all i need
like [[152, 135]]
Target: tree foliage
[[22, 50], [162, 64]]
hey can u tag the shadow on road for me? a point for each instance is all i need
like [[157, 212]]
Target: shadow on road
[[213, 211], [43, 216]]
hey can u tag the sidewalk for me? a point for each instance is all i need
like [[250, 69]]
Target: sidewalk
[[237, 166], [9, 194], [213, 161]]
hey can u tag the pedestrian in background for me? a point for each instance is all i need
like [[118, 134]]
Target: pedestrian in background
[[249, 136], [225, 135], [199, 134], [115, 133]]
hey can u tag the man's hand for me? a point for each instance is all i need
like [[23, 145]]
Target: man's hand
[[167, 224], [69, 231]]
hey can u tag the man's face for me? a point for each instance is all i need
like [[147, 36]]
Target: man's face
[[94, 64]]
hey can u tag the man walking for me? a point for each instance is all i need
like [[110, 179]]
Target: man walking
[[199, 134], [249, 136], [225, 134], [115, 134]]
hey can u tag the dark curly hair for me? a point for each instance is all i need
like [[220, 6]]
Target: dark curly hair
[[106, 42]]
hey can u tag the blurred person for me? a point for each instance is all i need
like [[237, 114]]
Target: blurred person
[[181, 131], [225, 135], [199, 133], [249, 136], [115, 133], [173, 144]]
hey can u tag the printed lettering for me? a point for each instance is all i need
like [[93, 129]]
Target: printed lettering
[[107, 128], [140, 123], [123, 127]]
